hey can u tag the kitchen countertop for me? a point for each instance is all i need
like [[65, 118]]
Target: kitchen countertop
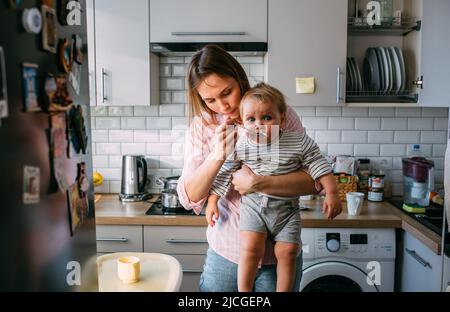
[[110, 210]]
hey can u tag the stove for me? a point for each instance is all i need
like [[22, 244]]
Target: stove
[[432, 219], [157, 208]]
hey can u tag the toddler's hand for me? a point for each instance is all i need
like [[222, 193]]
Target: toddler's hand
[[332, 206], [212, 210]]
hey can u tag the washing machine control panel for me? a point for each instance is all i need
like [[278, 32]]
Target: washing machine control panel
[[351, 243]]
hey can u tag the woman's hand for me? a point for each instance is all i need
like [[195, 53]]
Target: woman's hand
[[245, 180], [332, 206], [224, 140]]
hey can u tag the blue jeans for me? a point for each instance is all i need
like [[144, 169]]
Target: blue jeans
[[220, 275]]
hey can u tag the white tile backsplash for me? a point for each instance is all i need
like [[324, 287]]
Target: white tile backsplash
[[341, 123], [407, 137], [119, 136], [394, 124], [381, 137], [383, 134], [420, 123], [133, 123], [353, 136], [367, 123], [327, 136]]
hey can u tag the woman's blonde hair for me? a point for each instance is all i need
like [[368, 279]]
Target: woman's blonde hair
[[264, 93], [212, 59]]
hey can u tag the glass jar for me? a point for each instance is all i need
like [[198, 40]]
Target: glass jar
[[386, 12], [363, 175], [376, 187]]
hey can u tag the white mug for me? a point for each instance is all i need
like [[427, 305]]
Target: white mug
[[354, 203]]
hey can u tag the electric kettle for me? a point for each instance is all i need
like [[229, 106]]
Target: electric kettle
[[134, 178]]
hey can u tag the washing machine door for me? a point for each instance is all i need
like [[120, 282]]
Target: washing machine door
[[335, 276]]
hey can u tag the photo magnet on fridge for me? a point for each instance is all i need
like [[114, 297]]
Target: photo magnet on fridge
[[31, 185], [14, 3], [65, 54], [3, 88], [30, 87], [57, 97], [77, 48], [49, 35], [75, 77]]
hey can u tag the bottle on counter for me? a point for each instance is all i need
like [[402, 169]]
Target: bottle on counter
[[376, 186], [363, 175]]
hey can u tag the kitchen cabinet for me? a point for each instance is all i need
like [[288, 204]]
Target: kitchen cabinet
[[435, 66], [308, 39], [188, 244], [420, 35], [119, 238], [208, 21], [420, 267], [122, 52]]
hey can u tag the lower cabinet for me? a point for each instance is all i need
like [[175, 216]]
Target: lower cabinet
[[187, 244], [421, 268], [119, 238]]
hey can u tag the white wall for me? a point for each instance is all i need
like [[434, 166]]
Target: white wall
[[382, 134]]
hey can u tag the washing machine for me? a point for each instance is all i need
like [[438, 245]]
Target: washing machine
[[348, 260]]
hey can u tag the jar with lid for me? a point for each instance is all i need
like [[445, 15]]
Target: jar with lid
[[376, 186], [386, 8], [363, 175]]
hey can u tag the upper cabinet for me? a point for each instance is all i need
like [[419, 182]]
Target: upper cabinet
[[399, 59], [208, 21], [435, 53], [122, 52], [303, 43]]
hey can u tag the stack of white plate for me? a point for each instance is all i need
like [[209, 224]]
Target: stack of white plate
[[384, 71]]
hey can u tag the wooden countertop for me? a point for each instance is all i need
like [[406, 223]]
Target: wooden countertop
[[110, 210]]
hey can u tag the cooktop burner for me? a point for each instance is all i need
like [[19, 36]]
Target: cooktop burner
[[157, 209]]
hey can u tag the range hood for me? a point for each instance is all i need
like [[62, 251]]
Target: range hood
[[188, 48]]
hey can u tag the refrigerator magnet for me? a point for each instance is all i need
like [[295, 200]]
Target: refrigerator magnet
[[63, 11], [75, 77], [49, 35], [65, 54], [77, 48], [30, 87], [3, 89], [57, 97], [31, 185], [77, 130], [48, 3], [32, 20], [15, 3], [83, 188], [74, 204]]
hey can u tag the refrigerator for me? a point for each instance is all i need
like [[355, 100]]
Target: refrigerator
[[446, 231], [47, 226]]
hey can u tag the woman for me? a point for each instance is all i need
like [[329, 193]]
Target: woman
[[216, 84]]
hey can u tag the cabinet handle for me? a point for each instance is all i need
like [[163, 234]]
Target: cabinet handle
[[208, 33], [192, 271], [112, 239], [104, 74], [338, 86], [419, 259], [186, 241]]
